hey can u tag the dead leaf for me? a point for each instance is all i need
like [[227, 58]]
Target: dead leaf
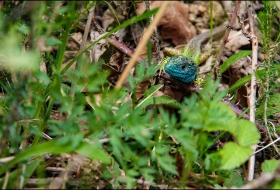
[[55, 115], [42, 45], [167, 91], [173, 93], [78, 37], [242, 97], [109, 17], [116, 60], [239, 67], [142, 87], [236, 40], [242, 93], [207, 66], [175, 22], [97, 50], [74, 41]]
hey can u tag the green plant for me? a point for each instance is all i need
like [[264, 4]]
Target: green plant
[[30, 96], [127, 138]]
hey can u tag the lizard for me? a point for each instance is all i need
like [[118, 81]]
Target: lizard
[[183, 64]]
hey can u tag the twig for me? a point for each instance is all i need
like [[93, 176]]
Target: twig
[[6, 180], [262, 182], [22, 176], [254, 40], [240, 112], [272, 143], [243, 29], [85, 36], [123, 48], [274, 131], [229, 28], [83, 44], [270, 137], [113, 41], [142, 44], [6, 159]]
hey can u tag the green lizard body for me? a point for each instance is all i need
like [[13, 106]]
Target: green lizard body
[[183, 64]]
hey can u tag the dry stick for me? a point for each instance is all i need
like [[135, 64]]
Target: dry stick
[[272, 143], [254, 39], [122, 47], [113, 41], [263, 181], [87, 28], [83, 44], [270, 138], [244, 116], [230, 27], [275, 134], [142, 44], [85, 36], [7, 175]]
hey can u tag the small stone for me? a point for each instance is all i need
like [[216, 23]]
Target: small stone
[[202, 9]]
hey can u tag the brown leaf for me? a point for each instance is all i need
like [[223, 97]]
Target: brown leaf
[[97, 50], [175, 23], [109, 17], [168, 91], [241, 94], [116, 60], [236, 40], [242, 97], [143, 53], [142, 87], [173, 93], [239, 67]]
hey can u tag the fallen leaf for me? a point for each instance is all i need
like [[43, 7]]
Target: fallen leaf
[[175, 23], [116, 60], [142, 87], [109, 17], [97, 50], [236, 40]]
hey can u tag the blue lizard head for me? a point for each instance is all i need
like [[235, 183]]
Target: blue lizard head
[[181, 68]]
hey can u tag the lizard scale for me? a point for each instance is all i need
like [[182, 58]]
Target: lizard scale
[[181, 68]]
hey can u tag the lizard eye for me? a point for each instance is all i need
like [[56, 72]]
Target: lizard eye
[[183, 67]]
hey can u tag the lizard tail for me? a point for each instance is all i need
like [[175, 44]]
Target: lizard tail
[[192, 49]]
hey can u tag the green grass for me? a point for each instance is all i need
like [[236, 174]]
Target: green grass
[[140, 139]]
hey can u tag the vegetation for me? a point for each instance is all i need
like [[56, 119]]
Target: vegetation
[[61, 110]]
